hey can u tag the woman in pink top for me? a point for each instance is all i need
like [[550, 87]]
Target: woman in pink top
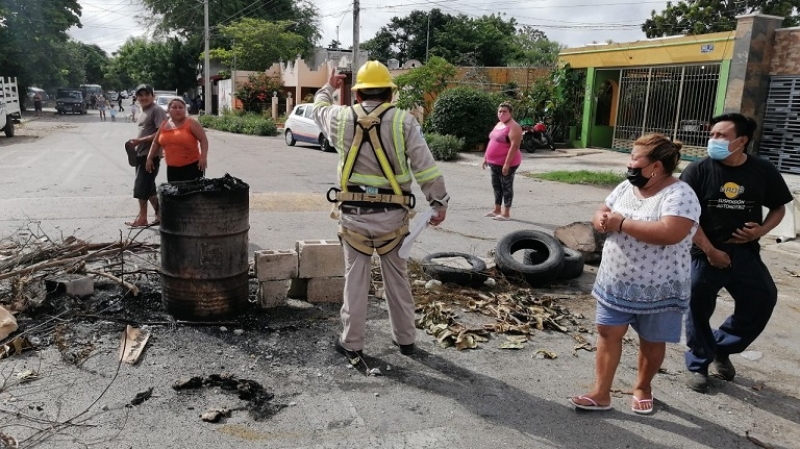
[[503, 157]]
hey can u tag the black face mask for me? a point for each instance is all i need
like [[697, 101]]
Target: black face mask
[[636, 178]]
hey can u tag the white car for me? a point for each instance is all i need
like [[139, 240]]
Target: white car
[[163, 100], [112, 95], [300, 127]]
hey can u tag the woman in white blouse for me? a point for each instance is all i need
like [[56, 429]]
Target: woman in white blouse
[[644, 278]]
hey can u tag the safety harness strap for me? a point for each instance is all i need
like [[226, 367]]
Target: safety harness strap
[[381, 244], [406, 200], [369, 123]]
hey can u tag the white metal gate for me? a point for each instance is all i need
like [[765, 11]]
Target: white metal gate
[[677, 101], [780, 139]]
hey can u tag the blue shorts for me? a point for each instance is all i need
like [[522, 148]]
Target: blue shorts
[[654, 327]]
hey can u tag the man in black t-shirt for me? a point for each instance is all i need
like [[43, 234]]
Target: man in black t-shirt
[[732, 187]]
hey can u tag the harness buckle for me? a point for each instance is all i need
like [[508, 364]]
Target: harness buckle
[[372, 197], [367, 121], [335, 194]]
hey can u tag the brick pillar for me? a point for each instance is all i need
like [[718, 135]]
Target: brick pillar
[[748, 82]]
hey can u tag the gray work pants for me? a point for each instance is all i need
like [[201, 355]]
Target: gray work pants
[[357, 281]]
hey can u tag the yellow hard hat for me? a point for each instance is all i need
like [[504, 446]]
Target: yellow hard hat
[[373, 75]]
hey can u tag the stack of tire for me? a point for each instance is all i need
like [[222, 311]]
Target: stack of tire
[[545, 260]]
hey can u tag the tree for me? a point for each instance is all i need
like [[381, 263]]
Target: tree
[[534, 49], [709, 16], [335, 45], [462, 40], [257, 44], [33, 41], [380, 46], [95, 60], [420, 86], [185, 18], [165, 64]]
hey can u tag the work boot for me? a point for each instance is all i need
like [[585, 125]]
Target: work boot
[[697, 381], [405, 349], [725, 369], [352, 356]]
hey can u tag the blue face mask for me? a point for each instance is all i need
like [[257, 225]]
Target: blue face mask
[[718, 149]]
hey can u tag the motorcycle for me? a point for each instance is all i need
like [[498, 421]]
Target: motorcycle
[[535, 137]]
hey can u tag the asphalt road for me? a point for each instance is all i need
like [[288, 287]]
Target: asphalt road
[[69, 175], [70, 172]]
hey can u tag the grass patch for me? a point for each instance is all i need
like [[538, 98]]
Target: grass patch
[[595, 178]]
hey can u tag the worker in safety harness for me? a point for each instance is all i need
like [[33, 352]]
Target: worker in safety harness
[[380, 147]]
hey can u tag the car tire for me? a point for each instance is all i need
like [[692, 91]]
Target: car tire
[[573, 262], [467, 278], [533, 257], [324, 144], [9, 128], [538, 274], [289, 137]]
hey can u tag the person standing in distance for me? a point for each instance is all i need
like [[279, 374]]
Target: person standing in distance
[[732, 186], [144, 186], [380, 149]]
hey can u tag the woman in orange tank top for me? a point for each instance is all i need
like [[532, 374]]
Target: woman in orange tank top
[[184, 142]]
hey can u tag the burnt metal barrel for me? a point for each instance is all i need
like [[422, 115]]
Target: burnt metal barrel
[[204, 241]]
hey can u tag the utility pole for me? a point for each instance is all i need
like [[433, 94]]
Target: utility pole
[[356, 20], [428, 38], [233, 71], [207, 62]]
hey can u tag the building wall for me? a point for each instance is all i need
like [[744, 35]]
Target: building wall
[[713, 47], [786, 56], [495, 78]]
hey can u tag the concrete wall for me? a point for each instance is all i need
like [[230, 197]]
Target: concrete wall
[[495, 78], [786, 54], [749, 76]]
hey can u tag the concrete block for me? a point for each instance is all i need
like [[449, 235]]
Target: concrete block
[[330, 289], [273, 293], [71, 284], [276, 265], [320, 258]]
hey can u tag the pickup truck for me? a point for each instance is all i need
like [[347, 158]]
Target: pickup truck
[[9, 105], [70, 100]]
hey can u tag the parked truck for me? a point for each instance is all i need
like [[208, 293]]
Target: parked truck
[[9, 105]]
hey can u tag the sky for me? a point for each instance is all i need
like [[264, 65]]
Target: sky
[[109, 23]]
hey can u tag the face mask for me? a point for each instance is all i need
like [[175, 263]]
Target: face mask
[[718, 149], [636, 178]]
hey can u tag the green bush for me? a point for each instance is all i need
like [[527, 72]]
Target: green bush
[[207, 121], [444, 147], [249, 123], [466, 113]]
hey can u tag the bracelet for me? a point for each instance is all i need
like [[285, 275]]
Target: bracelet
[[620, 224]]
